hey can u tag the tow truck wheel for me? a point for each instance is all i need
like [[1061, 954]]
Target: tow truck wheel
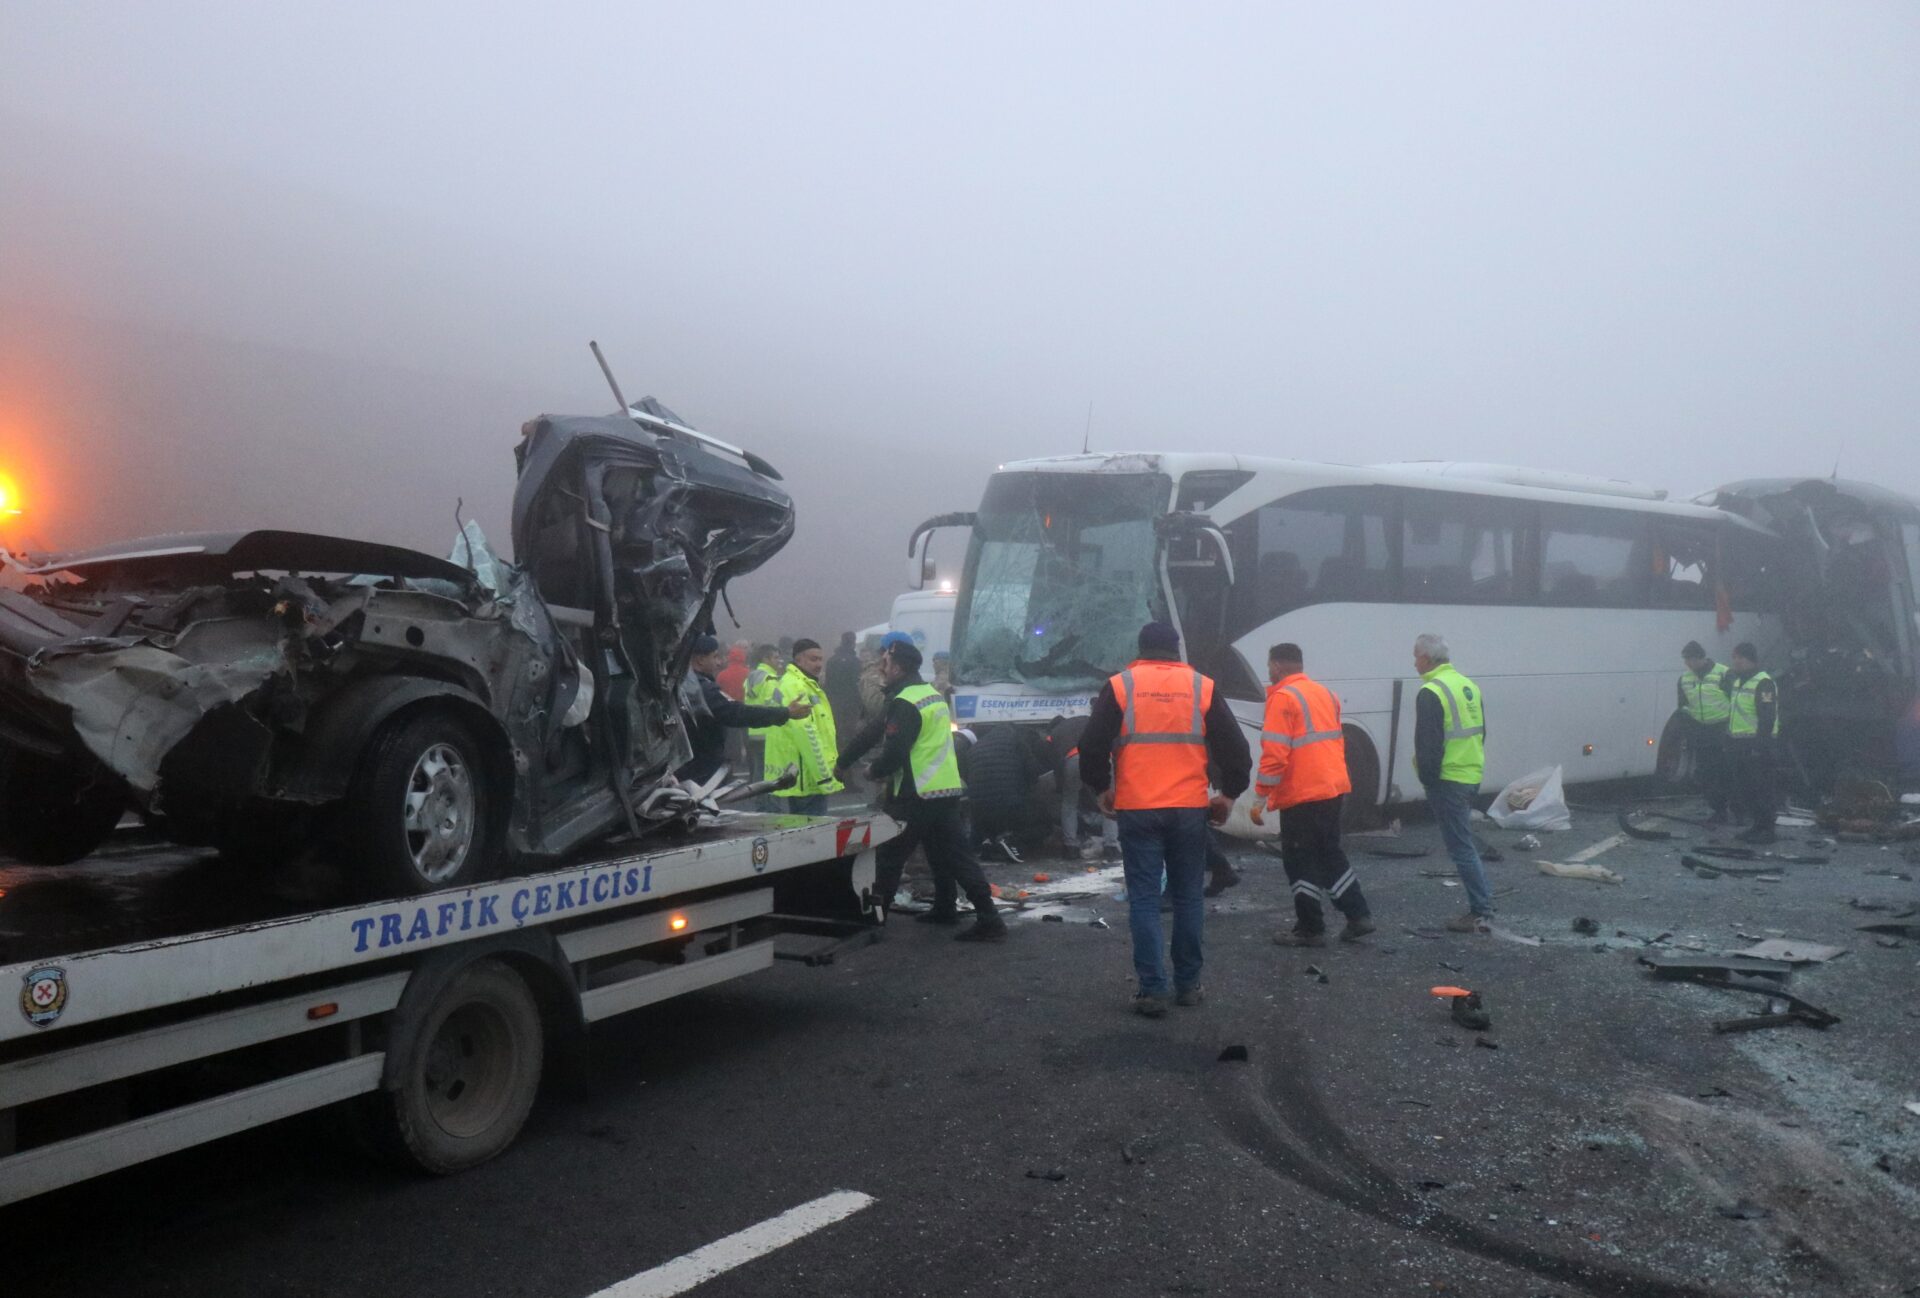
[[472, 1073], [55, 811], [418, 815]]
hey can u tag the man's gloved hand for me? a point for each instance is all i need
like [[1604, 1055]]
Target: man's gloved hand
[[1258, 812]]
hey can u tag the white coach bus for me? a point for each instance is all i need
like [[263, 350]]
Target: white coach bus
[[1568, 598]]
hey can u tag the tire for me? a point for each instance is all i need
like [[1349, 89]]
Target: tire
[[1674, 761], [1362, 807], [473, 1072], [52, 811], [419, 814]]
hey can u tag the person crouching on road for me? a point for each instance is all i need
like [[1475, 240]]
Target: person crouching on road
[[1753, 726], [1303, 776], [922, 779], [808, 742], [1450, 755], [1145, 752], [1703, 702]]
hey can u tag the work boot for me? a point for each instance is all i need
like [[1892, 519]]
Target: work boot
[[1298, 936], [1759, 834], [988, 927], [1151, 1005], [1189, 996], [1221, 880], [1357, 929], [937, 915], [1469, 924]]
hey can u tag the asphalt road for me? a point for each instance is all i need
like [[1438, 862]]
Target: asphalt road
[[1022, 1132]]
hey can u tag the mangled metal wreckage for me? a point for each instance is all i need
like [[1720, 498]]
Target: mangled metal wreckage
[[262, 690]]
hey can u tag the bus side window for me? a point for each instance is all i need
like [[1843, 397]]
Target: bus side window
[[1324, 545], [1593, 558], [1458, 549], [1682, 566]]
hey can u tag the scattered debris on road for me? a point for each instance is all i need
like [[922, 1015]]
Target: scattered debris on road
[[1592, 873]]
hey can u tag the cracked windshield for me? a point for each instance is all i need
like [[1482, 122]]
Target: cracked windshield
[[1062, 572]]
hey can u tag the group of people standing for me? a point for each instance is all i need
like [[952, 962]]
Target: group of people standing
[[1733, 723]]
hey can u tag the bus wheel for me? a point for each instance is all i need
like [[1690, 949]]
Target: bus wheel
[[1673, 762], [1362, 809], [473, 1070]]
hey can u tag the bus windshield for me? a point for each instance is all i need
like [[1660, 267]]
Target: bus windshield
[[1062, 572]]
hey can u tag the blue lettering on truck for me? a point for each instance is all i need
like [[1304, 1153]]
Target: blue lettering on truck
[[411, 924]]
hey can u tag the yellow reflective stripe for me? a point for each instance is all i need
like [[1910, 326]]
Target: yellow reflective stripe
[[1455, 730]]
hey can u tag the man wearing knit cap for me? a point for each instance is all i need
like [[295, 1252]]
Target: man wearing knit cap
[[1145, 751], [709, 733]]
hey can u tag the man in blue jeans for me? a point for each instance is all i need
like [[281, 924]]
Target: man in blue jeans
[[1145, 752], [1449, 753]]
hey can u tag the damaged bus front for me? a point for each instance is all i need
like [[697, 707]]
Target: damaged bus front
[[1849, 593], [263, 690]]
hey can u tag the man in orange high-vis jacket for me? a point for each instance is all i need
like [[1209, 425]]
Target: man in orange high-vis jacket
[[1303, 776], [1145, 751]]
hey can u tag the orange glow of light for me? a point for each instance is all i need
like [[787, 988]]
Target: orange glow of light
[[677, 923], [9, 495]]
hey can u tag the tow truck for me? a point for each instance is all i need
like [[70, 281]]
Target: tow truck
[[140, 1028]]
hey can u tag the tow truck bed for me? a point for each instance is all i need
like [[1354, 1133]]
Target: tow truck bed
[[145, 962]]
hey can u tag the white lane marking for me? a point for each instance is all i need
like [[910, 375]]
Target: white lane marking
[[703, 1264], [1604, 845]]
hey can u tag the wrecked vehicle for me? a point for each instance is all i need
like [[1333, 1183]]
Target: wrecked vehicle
[[1846, 580], [431, 719]]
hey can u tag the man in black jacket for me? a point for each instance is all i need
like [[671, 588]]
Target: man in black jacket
[[709, 734], [931, 816]]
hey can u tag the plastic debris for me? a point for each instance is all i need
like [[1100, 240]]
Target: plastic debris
[[1233, 1055], [1053, 919], [1745, 1210], [1051, 1174], [1594, 873], [1586, 927], [1792, 951], [1531, 843], [1043, 878]]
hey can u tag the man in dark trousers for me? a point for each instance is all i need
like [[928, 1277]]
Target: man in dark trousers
[[1450, 756], [1753, 729], [1303, 776], [842, 680], [1703, 702], [709, 733], [1145, 751], [918, 769]]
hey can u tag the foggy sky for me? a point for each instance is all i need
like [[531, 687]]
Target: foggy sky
[[312, 267]]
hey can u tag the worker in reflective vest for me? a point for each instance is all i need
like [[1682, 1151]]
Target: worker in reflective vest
[[1753, 724], [1303, 776], [1145, 751], [1703, 702], [1449, 755], [757, 692], [810, 744], [921, 775]]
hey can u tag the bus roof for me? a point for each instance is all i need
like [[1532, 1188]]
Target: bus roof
[[1274, 477]]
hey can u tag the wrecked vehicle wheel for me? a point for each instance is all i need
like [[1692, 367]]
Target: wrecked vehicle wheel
[[55, 811], [418, 816]]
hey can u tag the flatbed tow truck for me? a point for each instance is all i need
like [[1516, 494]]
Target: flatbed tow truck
[[164, 1000]]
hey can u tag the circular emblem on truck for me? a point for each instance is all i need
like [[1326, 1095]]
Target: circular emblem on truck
[[43, 994], [760, 854]]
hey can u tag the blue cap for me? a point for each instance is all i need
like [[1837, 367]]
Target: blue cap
[[895, 637]]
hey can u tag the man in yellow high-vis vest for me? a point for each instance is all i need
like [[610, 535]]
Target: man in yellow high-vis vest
[[1703, 702], [921, 774], [1449, 753], [1753, 726]]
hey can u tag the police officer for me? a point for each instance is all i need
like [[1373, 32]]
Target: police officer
[[1145, 752], [1449, 754], [1303, 776], [1753, 724], [809, 743], [1703, 701], [922, 780]]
